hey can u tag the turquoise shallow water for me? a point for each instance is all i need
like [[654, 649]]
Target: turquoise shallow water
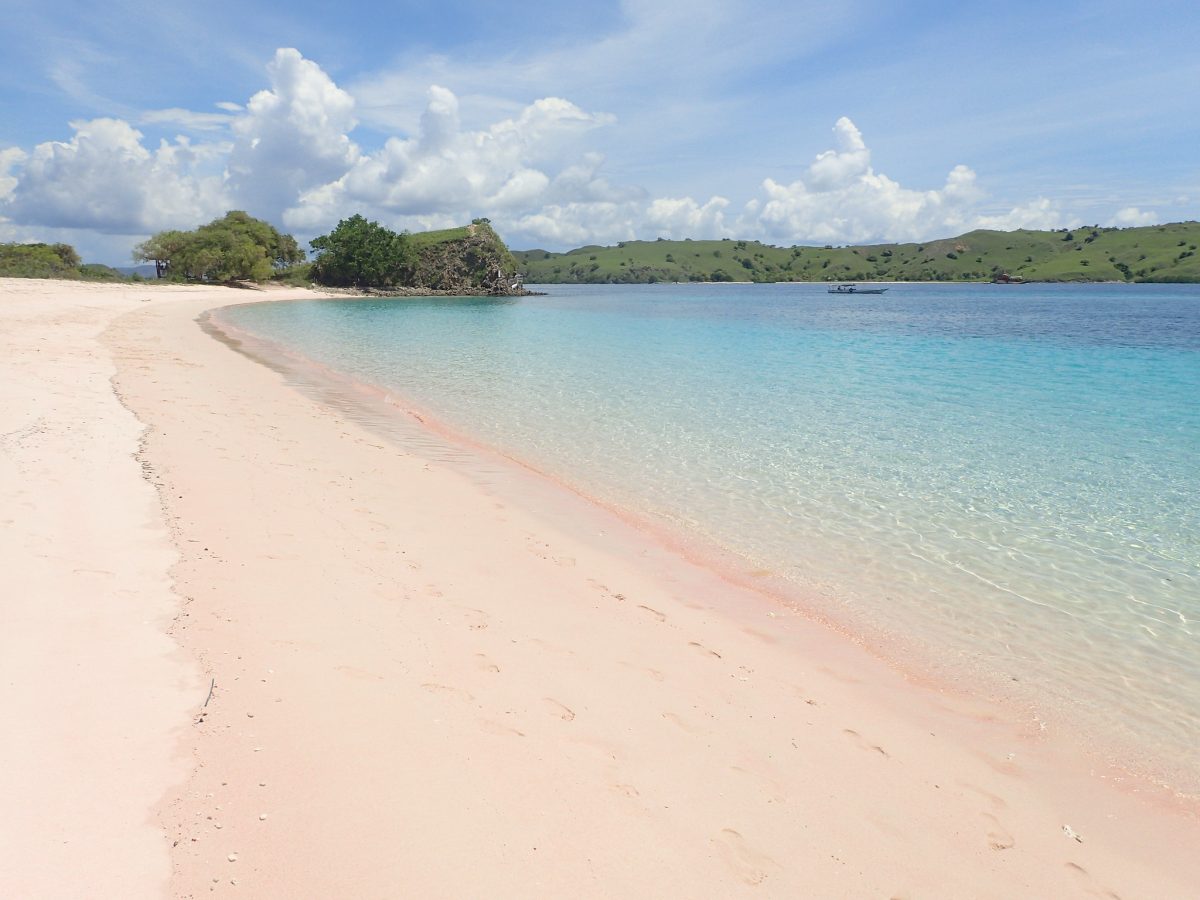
[[1003, 481]]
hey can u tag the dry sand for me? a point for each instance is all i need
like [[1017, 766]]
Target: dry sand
[[439, 676]]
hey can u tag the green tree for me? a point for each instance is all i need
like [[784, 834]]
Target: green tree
[[362, 253], [39, 261], [235, 247], [67, 254]]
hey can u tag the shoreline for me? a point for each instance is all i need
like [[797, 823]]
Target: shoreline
[[1020, 705], [422, 685]]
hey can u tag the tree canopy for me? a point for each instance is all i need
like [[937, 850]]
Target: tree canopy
[[39, 261], [235, 247], [362, 253]]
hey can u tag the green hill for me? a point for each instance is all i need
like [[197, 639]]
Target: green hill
[[1152, 253], [467, 260]]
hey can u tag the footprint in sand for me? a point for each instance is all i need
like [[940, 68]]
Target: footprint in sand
[[563, 712], [477, 619], [537, 548], [653, 612], [998, 837], [103, 572], [653, 673], [747, 863], [627, 790], [1003, 766], [486, 664], [1088, 883], [864, 743], [704, 649], [499, 728], [765, 638]]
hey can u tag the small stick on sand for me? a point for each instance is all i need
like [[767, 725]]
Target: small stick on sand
[[212, 684]]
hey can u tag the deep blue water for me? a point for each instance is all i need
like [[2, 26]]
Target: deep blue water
[[1004, 479]]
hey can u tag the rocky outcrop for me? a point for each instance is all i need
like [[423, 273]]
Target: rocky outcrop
[[472, 260]]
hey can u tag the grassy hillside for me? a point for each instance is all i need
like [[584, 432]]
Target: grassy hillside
[[422, 239], [1153, 253]]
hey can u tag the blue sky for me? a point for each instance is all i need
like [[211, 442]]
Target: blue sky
[[791, 123]]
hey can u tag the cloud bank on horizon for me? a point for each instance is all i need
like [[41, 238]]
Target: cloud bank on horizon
[[424, 142], [289, 156]]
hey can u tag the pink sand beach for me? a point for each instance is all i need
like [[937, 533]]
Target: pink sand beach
[[249, 647]]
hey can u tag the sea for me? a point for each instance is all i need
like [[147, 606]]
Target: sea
[[997, 486]]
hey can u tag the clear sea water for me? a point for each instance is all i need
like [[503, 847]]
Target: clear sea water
[[1004, 480]]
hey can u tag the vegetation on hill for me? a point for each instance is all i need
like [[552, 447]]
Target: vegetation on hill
[[1152, 253], [39, 261], [363, 254], [235, 247], [51, 261], [473, 259], [358, 253], [467, 260]]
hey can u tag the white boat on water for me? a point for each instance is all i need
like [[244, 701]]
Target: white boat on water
[[851, 288]]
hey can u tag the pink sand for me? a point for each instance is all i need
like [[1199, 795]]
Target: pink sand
[[426, 689]]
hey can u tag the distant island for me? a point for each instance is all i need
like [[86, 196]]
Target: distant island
[[1156, 253]]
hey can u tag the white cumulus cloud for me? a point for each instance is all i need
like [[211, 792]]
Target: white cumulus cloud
[[680, 218], [444, 170], [10, 157], [573, 224], [292, 138], [105, 179], [842, 199], [1131, 215], [1036, 214], [289, 155]]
